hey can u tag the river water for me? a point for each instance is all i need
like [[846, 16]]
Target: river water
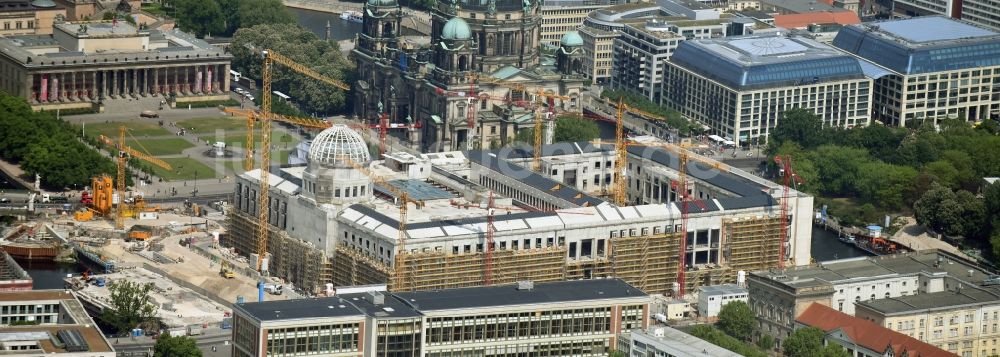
[[826, 246], [315, 21]]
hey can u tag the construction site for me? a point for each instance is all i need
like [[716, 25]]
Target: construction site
[[418, 221], [471, 218]]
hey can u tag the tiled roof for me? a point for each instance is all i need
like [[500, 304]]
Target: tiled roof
[[803, 20], [866, 333]]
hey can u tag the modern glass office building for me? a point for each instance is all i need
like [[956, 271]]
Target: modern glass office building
[[933, 68], [740, 86]]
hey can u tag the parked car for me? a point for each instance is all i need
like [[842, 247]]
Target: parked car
[[149, 114], [250, 96]]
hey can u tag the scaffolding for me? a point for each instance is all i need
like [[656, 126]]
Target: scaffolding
[[440, 270], [751, 243], [299, 262], [646, 262]]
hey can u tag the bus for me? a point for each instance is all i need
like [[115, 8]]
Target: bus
[[235, 76], [283, 96]]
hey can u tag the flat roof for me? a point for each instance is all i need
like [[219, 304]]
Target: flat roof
[[766, 60], [506, 295], [724, 289], [45, 333], [932, 29], [98, 29], [837, 271], [677, 343], [800, 6], [325, 307], [922, 45], [931, 301], [30, 296]]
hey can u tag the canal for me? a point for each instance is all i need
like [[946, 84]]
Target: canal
[[826, 246], [315, 21]]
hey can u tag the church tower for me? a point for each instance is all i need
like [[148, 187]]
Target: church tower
[[569, 57], [377, 47]]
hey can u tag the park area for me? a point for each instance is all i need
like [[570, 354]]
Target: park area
[[163, 142]]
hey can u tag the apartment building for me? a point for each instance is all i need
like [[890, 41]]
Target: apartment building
[[928, 68], [962, 321], [48, 323], [740, 86], [561, 16], [580, 318], [980, 12], [779, 297], [863, 338]]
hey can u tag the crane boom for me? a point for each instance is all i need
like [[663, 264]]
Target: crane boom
[[287, 62], [265, 116], [124, 152]]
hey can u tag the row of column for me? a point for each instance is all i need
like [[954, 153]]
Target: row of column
[[129, 83]]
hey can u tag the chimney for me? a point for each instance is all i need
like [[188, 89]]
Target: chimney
[[526, 285], [377, 297]]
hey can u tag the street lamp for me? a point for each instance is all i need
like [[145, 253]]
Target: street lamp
[[195, 191]]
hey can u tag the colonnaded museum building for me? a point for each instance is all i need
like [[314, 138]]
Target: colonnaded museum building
[[83, 64]]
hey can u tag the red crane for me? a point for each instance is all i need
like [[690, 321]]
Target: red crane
[[680, 186], [383, 129], [785, 169]]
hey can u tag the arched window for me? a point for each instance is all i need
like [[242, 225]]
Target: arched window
[[463, 63]]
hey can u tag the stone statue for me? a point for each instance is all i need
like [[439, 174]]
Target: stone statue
[[392, 92], [454, 7], [492, 9], [527, 7], [380, 107]]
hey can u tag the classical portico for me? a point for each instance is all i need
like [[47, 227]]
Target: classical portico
[[89, 62]]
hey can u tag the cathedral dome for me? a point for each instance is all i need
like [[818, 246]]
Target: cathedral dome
[[336, 142], [456, 29], [571, 39], [43, 3]]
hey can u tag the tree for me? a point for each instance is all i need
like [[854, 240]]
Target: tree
[[571, 129], [131, 306], [200, 17], [991, 200], [806, 342], [737, 320], [887, 184], [180, 346], [839, 168], [251, 13], [302, 46], [766, 342], [952, 213], [798, 125]]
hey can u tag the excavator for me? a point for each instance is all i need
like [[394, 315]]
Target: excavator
[[226, 272]]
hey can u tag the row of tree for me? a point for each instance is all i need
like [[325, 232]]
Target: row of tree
[[637, 101], [225, 17], [935, 170], [568, 129], [304, 47], [738, 323], [47, 146]]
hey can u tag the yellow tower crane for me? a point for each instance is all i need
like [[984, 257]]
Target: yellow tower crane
[[539, 93], [124, 153], [263, 209], [404, 201]]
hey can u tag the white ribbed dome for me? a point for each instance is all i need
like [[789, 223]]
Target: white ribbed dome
[[336, 142]]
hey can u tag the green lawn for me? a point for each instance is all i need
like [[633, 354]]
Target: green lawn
[[184, 169], [155, 9], [209, 125], [283, 156], [138, 129], [238, 140], [160, 147]]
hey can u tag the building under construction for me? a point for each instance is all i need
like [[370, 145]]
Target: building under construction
[[330, 225]]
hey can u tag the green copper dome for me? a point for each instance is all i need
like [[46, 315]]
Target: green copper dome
[[382, 2], [571, 39], [456, 29]]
